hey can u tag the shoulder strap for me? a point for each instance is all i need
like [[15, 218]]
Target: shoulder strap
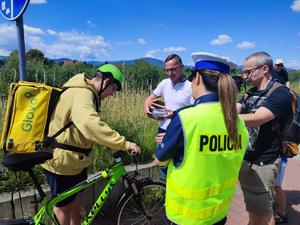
[[294, 101], [50, 142], [71, 148], [97, 102], [273, 88], [62, 129], [276, 126]]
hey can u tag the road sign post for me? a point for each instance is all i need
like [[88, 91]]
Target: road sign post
[[13, 10], [21, 45]]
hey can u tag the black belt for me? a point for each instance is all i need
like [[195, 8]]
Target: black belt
[[260, 163]]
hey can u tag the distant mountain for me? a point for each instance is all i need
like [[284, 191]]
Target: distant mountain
[[60, 60], [3, 58], [290, 70], [152, 61], [155, 62], [239, 67]]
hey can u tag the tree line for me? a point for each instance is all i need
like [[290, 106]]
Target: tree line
[[138, 76]]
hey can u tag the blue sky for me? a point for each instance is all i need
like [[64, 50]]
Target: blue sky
[[128, 29]]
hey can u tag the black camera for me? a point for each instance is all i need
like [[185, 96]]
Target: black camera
[[239, 81]]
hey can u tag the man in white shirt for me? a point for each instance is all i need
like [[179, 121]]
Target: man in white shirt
[[175, 91]]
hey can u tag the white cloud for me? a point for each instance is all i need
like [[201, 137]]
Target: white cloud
[[245, 45], [4, 52], [33, 30], [221, 40], [70, 44], [91, 24], [8, 34], [142, 41], [124, 43], [38, 1], [51, 32], [174, 49], [77, 45], [293, 64], [296, 6], [35, 41], [8, 40], [152, 53]]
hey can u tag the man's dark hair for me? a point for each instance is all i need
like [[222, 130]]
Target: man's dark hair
[[174, 56]]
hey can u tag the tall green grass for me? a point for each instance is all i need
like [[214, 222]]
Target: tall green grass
[[124, 113]]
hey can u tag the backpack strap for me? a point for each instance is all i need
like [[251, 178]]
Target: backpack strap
[[70, 123], [56, 144], [280, 132], [50, 142], [274, 87], [97, 103]]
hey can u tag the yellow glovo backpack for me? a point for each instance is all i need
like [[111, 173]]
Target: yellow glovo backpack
[[28, 111]]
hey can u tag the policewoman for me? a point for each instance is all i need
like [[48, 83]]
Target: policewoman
[[205, 144]]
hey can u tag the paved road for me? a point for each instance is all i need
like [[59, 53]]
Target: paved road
[[291, 185]]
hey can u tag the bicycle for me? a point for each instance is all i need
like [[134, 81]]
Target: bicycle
[[141, 203]]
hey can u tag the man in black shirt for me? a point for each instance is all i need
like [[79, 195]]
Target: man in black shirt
[[280, 74], [260, 165]]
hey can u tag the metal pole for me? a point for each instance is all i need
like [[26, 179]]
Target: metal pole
[[21, 45]]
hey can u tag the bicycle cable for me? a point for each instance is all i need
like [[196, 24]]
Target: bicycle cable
[[20, 198]]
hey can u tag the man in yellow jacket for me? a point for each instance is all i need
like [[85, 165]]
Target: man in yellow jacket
[[79, 103]]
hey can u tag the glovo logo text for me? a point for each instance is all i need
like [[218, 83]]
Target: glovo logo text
[[29, 116]]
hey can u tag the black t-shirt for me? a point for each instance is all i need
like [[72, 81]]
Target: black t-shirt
[[264, 142], [280, 76]]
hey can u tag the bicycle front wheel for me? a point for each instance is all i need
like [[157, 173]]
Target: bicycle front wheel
[[146, 207]]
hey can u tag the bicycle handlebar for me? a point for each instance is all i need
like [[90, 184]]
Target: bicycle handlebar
[[119, 155]]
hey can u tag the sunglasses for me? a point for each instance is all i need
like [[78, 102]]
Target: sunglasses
[[248, 72]]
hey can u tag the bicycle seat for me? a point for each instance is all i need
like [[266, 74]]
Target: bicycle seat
[[25, 161]]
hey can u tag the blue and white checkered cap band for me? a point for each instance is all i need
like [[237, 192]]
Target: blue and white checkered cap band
[[213, 65]]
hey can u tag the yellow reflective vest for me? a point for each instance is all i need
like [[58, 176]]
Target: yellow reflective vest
[[199, 191]]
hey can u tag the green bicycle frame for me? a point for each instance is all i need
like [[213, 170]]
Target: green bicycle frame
[[115, 173]]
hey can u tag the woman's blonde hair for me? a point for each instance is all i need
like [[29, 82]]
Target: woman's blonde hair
[[225, 86]]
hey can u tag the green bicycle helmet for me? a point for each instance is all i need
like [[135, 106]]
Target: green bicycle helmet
[[111, 71]]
